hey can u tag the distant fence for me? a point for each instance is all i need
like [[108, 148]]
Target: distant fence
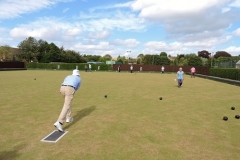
[[12, 66], [157, 68]]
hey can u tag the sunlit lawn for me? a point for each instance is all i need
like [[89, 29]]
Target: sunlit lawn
[[131, 124]]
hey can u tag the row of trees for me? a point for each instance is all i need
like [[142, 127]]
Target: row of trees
[[41, 51], [204, 58]]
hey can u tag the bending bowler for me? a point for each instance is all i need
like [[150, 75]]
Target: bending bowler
[[68, 88]]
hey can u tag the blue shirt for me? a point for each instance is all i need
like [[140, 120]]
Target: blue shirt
[[180, 75], [72, 80]]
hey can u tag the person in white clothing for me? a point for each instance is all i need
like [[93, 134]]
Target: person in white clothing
[[131, 68], [90, 67], [162, 69]]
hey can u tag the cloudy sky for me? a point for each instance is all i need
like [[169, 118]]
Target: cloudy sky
[[124, 27]]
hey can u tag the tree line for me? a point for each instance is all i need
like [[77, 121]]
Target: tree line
[[32, 50], [203, 58]]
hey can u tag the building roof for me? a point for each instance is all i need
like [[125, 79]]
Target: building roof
[[238, 62]]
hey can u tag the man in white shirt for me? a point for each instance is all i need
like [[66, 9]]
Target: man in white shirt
[[90, 67], [162, 69], [131, 68]]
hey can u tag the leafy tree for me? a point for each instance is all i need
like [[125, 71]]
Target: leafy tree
[[43, 50], [195, 61], [6, 53], [162, 60], [91, 58], [222, 54], [188, 56], [29, 49], [71, 56], [179, 60], [204, 54], [148, 59], [102, 59], [204, 61], [140, 58], [185, 62], [107, 57], [164, 54], [122, 59]]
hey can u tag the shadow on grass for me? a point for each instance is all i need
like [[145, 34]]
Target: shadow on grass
[[81, 114], [12, 154]]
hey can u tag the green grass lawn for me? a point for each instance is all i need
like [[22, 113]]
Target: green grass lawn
[[131, 124]]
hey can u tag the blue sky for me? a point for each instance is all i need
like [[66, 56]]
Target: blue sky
[[117, 26]]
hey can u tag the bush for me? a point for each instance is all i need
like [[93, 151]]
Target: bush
[[67, 66], [229, 73]]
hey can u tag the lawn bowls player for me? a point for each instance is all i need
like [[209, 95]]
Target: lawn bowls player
[[193, 70], [68, 88], [180, 77]]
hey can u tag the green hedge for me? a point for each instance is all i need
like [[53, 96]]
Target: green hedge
[[67, 66], [229, 73]]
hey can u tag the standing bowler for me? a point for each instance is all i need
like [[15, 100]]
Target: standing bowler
[[193, 70], [162, 69], [180, 77], [131, 68], [69, 86]]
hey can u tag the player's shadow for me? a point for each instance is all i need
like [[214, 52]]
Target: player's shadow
[[81, 114], [11, 154]]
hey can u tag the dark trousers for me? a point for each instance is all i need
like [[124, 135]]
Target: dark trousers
[[192, 74], [131, 71], [180, 81]]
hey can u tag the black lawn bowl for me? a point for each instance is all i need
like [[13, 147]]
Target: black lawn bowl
[[232, 108], [34, 78], [237, 116], [160, 98], [225, 118], [105, 96]]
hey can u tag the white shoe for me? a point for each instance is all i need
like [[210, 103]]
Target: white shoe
[[69, 120], [58, 126]]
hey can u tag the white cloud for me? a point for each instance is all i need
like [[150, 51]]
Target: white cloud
[[207, 43], [47, 29], [233, 50], [226, 9], [11, 9], [154, 47], [237, 32], [187, 16], [174, 48], [65, 10], [114, 6], [116, 20], [100, 48], [130, 43], [157, 47], [162, 8], [100, 34], [202, 36], [73, 31], [236, 3]]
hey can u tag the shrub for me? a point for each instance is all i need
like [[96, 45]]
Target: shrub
[[229, 73]]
